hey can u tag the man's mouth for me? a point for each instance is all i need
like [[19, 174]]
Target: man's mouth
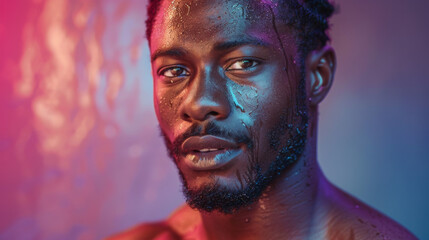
[[209, 152], [204, 150]]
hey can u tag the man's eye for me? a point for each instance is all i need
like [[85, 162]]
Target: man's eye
[[174, 72], [244, 64]]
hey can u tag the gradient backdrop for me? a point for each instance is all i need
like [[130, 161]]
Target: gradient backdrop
[[80, 153]]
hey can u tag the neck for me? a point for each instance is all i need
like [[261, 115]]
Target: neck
[[287, 209]]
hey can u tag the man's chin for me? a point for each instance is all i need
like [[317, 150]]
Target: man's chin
[[210, 198], [222, 195]]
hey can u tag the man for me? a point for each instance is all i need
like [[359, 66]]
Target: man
[[236, 89]]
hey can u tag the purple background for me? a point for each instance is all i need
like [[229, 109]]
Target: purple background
[[80, 153]]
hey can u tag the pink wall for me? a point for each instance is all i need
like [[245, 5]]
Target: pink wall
[[80, 152]]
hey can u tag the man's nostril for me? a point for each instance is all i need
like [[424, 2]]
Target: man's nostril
[[186, 116]]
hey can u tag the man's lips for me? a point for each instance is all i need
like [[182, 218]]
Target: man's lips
[[209, 152], [207, 143]]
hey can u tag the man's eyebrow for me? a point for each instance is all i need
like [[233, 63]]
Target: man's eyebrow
[[223, 46], [173, 52]]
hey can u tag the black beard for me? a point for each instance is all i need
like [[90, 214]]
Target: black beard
[[225, 200]]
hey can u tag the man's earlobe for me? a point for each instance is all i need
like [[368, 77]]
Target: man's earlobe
[[321, 66]]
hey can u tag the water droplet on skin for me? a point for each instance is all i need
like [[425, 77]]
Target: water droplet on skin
[[262, 203], [237, 105], [189, 8]]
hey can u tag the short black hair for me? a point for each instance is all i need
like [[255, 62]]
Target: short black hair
[[152, 10], [310, 19]]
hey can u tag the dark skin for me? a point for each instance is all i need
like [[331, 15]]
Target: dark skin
[[224, 62]]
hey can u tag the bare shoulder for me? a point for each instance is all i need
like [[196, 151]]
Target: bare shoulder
[[353, 219], [181, 221], [184, 220], [146, 231]]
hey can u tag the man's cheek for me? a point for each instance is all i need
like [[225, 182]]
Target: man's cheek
[[167, 111], [244, 98]]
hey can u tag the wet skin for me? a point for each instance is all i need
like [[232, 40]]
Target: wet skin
[[235, 66], [222, 69]]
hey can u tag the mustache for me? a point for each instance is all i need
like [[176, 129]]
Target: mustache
[[210, 128]]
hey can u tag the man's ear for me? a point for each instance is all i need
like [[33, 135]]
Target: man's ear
[[321, 66]]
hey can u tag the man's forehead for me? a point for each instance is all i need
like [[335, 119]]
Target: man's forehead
[[180, 13], [203, 20], [238, 7]]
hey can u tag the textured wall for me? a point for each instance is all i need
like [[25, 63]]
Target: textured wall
[[80, 152], [374, 131]]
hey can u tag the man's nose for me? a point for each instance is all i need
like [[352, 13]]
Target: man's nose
[[206, 98]]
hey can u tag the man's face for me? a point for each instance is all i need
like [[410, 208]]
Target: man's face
[[228, 97]]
